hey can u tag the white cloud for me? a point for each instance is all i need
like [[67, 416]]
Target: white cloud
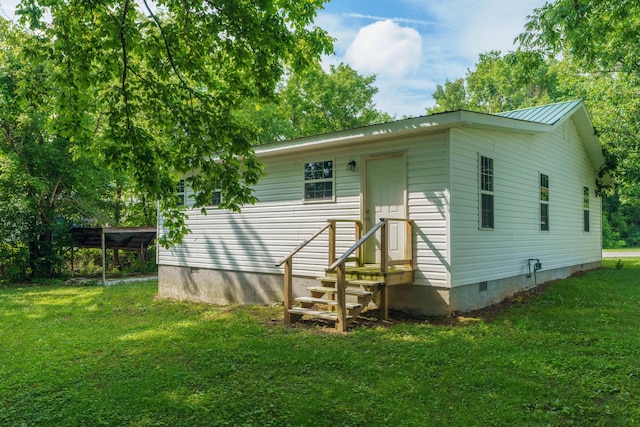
[[471, 27], [381, 18], [386, 49], [416, 44]]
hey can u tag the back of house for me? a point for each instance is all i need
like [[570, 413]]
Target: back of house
[[477, 207]]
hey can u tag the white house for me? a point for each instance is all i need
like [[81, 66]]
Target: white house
[[496, 203]]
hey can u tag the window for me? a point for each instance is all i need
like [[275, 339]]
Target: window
[[318, 181], [216, 198], [544, 202], [486, 193], [180, 191], [585, 208]]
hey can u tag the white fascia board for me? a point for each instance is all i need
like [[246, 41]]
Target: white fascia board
[[590, 140], [400, 128]]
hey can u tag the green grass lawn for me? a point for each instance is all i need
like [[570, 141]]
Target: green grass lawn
[[116, 356]]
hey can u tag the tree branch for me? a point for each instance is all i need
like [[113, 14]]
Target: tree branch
[[170, 54], [123, 43], [54, 192]]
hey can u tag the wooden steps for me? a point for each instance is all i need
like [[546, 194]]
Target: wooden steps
[[322, 301], [320, 314], [348, 291], [358, 286], [364, 285]]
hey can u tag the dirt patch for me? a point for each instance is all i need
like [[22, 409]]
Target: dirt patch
[[372, 319]]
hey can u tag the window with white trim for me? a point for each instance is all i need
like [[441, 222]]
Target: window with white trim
[[486, 193], [318, 181], [585, 209], [216, 198], [544, 202], [180, 193]]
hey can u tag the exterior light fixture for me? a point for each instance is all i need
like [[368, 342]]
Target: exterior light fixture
[[351, 166]]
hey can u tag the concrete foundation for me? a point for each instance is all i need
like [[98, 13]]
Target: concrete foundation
[[478, 295], [236, 287], [225, 287]]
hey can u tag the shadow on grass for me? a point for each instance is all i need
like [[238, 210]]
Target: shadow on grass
[[117, 356]]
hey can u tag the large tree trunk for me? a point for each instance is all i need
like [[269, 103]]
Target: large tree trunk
[[117, 216], [41, 255]]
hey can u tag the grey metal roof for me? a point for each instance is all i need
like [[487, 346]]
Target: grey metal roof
[[546, 114]]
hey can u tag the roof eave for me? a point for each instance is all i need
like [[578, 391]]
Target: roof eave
[[401, 128], [590, 140]]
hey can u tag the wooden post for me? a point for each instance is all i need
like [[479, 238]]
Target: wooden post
[[383, 302], [72, 261], [104, 259], [341, 324], [384, 246], [142, 256], [288, 290], [409, 243], [358, 237], [332, 242]]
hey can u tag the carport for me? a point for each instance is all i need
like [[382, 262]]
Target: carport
[[137, 239]]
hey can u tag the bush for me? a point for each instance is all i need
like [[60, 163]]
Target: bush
[[610, 238], [14, 262]]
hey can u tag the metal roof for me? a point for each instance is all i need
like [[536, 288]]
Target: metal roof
[[546, 114], [125, 238]]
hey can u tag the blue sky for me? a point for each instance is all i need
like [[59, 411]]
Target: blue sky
[[414, 45]]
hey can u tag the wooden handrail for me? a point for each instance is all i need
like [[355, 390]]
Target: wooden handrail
[[302, 245], [364, 238], [356, 245], [288, 264], [339, 264]]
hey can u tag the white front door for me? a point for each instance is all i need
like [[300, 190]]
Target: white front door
[[385, 198]]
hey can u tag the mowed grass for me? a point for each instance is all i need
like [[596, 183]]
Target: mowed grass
[[117, 356]]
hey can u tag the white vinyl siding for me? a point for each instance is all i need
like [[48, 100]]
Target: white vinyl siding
[[259, 237], [442, 199], [479, 256], [427, 206]]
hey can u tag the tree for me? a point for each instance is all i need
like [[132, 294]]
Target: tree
[[451, 97], [599, 35], [314, 101], [525, 78], [151, 91], [600, 38], [43, 185], [500, 82]]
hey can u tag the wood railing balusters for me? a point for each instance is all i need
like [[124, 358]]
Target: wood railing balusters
[[408, 249], [339, 265], [288, 289], [384, 246], [359, 253], [341, 296], [332, 241]]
